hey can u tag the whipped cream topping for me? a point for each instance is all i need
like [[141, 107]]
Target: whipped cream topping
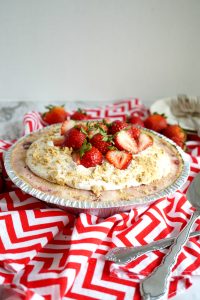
[[56, 165]]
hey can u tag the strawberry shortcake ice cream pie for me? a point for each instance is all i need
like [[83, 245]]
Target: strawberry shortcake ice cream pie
[[96, 160]]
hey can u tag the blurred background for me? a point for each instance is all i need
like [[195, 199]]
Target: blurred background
[[98, 50]]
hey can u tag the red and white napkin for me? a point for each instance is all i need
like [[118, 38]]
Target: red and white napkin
[[47, 253]]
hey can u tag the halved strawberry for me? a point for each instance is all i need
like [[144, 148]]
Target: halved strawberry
[[59, 141], [124, 140], [135, 132], [144, 141], [119, 159], [66, 125], [76, 158]]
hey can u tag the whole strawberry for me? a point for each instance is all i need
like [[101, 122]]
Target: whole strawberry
[[55, 114], [101, 142], [91, 158], [80, 115], [156, 122], [175, 133], [74, 138], [136, 120], [117, 126]]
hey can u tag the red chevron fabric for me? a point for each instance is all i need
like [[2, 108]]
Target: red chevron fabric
[[50, 254]]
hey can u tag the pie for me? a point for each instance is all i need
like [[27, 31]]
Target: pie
[[137, 163]]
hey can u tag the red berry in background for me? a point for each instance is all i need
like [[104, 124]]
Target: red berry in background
[[74, 138], [80, 115], [91, 158], [55, 114], [136, 120], [100, 142], [116, 126], [156, 122], [175, 133]]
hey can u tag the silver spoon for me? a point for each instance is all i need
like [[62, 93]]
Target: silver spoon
[[155, 286]]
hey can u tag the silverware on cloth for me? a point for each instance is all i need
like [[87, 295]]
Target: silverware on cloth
[[124, 255], [155, 286], [188, 108]]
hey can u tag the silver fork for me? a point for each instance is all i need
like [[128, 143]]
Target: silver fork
[[187, 107], [124, 255]]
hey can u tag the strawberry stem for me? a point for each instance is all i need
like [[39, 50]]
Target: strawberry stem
[[84, 148]]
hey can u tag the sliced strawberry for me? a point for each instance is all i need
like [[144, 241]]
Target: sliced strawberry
[[74, 138], [144, 141], [135, 132], [119, 159], [66, 125], [124, 140], [91, 158], [76, 158], [59, 141]]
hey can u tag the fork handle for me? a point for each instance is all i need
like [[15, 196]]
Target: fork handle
[[156, 284]]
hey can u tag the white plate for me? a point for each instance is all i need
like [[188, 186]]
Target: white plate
[[162, 106]]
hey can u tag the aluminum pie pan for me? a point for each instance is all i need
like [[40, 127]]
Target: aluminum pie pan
[[99, 208]]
